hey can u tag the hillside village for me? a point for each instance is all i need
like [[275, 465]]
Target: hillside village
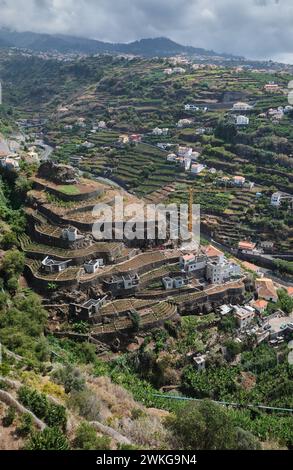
[[212, 321]]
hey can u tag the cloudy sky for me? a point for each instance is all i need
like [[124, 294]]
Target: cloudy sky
[[253, 28]]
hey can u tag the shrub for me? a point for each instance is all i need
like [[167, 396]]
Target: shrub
[[246, 440], [70, 377], [9, 417], [56, 415], [87, 439], [48, 439], [53, 414], [86, 404], [26, 425]]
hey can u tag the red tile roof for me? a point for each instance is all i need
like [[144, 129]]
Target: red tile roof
[[211, 251], [245, 245], [260, 304]]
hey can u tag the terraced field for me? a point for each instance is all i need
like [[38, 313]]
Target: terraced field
[[31, 247], [160, 312]]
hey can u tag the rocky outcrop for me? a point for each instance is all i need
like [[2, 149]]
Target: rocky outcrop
[[58, 173], [110, 432]]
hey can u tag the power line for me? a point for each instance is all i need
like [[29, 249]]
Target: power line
[[226, 403]]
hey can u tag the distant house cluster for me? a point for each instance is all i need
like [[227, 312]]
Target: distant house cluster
[[186, 157], [194, 107], [125, 139], [241, 106], [210, 264], [278, 198], [158, 131], [271, 87], [174, 70], [8, 160], [235, 181]]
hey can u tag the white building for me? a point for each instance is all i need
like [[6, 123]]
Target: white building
[[171, 157], [11, 162], [200, 362], [184, 152], [102, 125], [191, 263], [71, 234], [242, 120], [184, 123], [93, 265], [244, 315], [88, 145], [271, 87], [170, 71], [50, 265], [238, 180], [197, 168], [159, 131], [174, 283], [187, 164], [218, 273], [288, 109], [240, 106], [179, 70], [278, 197], [191, 107]]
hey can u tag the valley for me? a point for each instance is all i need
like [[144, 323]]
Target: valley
[[105, 329]]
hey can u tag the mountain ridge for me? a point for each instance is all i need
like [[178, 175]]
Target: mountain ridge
[[149, 47]]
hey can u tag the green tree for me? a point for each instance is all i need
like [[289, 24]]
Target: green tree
[[203, 426], [9, 240], [13, 263]]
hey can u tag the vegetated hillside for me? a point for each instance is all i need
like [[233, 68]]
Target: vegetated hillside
[[136, 96], [65, 44]]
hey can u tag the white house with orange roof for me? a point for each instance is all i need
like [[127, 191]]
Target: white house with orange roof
[[244, 315], [211, 264], [213, 253], [238, 180], [219, 269], [191, 262], [197, 168], [271, 87], [246, 246]]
